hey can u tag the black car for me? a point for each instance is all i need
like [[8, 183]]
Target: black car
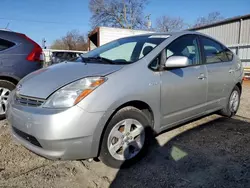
[[19, 56]]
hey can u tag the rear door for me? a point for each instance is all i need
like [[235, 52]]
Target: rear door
[[220, 73]]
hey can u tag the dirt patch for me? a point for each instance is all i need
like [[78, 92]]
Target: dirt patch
[[214, 154], [210, 152]]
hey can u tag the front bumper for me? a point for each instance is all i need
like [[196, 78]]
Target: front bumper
[[54, 134]]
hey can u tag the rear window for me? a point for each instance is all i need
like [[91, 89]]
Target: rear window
[[58, 54], [4, 44]]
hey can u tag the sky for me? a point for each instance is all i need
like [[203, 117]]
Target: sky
[[51, 19]]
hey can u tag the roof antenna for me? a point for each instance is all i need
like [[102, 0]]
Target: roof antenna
[[7, 25]]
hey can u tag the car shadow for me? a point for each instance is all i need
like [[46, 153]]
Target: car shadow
[[214, 154]]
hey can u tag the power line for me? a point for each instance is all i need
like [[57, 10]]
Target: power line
[[38, 21]]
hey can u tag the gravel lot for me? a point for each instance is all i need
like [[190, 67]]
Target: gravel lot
[[210, 152]]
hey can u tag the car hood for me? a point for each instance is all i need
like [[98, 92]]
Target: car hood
[[42, 83]]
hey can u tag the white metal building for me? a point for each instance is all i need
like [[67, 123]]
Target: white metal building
[[234, 33], [103, 35]]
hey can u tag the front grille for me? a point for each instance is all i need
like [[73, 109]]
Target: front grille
[[28, 101], [27, 137]]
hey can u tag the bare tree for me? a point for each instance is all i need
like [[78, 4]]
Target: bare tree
[[209, 19], [72, 41], [118, 13], [167, 24], [58, 44]]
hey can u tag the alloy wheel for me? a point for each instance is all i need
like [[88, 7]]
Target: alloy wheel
[[4, 95], [126, 139], [234, 101]]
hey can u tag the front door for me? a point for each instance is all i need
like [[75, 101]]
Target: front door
[[183, 90]]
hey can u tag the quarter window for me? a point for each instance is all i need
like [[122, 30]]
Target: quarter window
[[213, 51], [229, 54], [155, 64], [4, 44], [147, 47], [187, 46]]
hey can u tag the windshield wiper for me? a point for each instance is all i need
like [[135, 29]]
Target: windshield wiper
[[103, 59]]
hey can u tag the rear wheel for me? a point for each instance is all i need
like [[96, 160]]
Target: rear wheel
[[126, 138], [232, 104], [5, 88]]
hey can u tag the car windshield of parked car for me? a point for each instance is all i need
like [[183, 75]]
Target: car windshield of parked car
[[125, 50]]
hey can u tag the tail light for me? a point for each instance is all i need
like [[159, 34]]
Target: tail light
[[37, 53]]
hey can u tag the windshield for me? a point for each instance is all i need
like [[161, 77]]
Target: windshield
[[125, 50]]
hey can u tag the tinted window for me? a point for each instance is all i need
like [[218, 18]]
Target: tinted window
[[4, 44], [185, 46], [58, 54], [213, 51], [70, 55]]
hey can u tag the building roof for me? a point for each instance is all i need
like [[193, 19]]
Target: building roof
[[229, 20]]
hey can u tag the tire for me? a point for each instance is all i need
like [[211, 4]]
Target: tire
[[117, 124], [229, 110], [5, 88]]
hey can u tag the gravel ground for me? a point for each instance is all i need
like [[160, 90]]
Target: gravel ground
[[210, 152]]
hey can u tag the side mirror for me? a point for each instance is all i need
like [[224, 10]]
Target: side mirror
[[177, 62]]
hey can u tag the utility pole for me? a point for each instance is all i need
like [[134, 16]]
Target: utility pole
[[149, 23]]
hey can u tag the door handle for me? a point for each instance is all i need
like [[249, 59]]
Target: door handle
[[202, 76], [231, 71]]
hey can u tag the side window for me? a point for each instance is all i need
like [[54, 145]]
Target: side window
[[187, 46], [122, 52], [147, 47], [4, 44], [213, 51]]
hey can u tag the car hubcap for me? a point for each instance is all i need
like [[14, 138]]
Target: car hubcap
[[4, 94], [234, 101], [126, 139]]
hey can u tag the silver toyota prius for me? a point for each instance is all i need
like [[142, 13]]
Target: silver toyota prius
[[110, 102]]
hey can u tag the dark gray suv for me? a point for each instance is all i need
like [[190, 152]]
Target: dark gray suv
[[19, 56]]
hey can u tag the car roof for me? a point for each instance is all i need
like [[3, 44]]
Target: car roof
[[10, 35], [7, 31], [178, 33]]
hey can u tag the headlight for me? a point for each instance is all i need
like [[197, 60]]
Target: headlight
[[73, 93]]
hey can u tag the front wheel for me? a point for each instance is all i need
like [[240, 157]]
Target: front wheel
[[126, 138], [232, 104]]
